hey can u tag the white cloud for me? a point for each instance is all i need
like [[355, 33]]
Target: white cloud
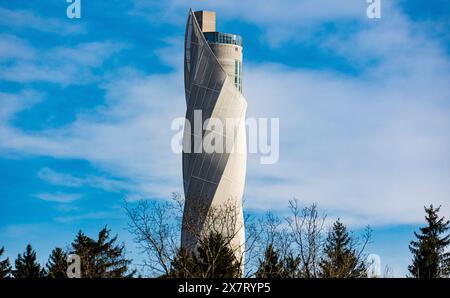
[[58, 197], [372, 147], [265, 13], [60, 178], [21, 19], [11, 103], [171, 54], [68, 65], [128, 136], [68, 180], [19, 231], [87, 216], [90, 54], [12, 47], [280, 22]]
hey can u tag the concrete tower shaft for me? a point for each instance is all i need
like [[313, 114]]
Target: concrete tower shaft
[[213, 85]]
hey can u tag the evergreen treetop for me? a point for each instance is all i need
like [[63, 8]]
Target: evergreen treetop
[[57, 264], [26, 265], [341, 258], [430, 258], [5, 266]]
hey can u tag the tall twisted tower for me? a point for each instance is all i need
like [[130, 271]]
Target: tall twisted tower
[[213, 86]]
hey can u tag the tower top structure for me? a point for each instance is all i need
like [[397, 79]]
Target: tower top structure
[[206, 20]]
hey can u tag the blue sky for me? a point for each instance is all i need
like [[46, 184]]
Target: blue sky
[[86, 106]]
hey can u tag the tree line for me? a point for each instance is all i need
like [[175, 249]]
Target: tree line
[[99, 258], [299, 245]]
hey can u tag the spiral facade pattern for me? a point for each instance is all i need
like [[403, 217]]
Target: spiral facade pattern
[[213, 88]]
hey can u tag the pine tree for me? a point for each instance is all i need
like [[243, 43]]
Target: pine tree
[[83, 246], [430, 259], [185, 265], [57, 264], [5, 267], [271, 266], [27, 266], [291, 266], [340, 258], [216, 258], [101, 258]]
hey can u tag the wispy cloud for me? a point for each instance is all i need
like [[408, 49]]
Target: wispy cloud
[[373, 147], [60, 178], [12, 103], [12, 47], [58, 197], [129, 136], [68, 180], [19, 231], [280, 22], [25, 19], [87, 216], [68, 65]]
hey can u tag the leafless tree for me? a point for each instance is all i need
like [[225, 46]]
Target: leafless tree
[[220, 219], [359, 244], [297, 238], [156, 229], [306, 228], [253, 233]]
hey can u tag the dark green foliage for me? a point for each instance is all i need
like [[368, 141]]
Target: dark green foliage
[[215, 259], [184, 265], [274, 266], [291, 266], [340, 259], [5, 267], [430, 260], [271, 266], [57, 264], [101, 258], [26, 265]]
